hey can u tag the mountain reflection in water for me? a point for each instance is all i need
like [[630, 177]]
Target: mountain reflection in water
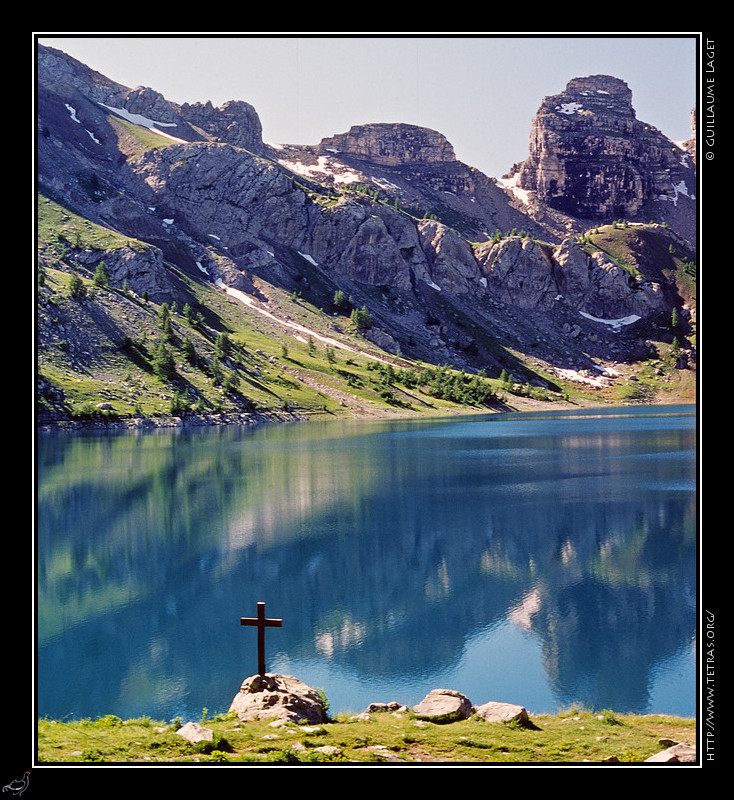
[[544, 559]]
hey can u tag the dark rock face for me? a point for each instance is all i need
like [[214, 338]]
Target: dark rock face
[[591, 157], [235, 122]]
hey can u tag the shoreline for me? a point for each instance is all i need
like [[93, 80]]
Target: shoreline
[[520, 405]]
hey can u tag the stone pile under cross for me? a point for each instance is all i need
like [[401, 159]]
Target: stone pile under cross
[[261, 624]]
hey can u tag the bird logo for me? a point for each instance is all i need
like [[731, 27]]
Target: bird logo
[[18, 787]]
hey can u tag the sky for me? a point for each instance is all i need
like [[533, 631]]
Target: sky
[[481, 91]]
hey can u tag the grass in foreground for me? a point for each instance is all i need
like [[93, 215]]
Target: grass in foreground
[[571, 737]]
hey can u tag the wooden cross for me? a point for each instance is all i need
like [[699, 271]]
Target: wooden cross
[[261, 624]]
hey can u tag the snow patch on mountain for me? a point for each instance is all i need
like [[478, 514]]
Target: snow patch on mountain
[[323, 167], [145, 122], [511, 185]]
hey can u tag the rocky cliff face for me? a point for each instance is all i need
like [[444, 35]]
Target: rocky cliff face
[[221, 205], [391, 145], [590, 156]]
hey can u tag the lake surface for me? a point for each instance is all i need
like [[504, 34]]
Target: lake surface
[[539, 559]]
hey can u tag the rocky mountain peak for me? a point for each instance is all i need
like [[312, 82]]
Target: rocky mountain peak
[[590, 157], [587, 102], [235, 122], [452, 265], [148, 103], [391, 144], [602, 88]]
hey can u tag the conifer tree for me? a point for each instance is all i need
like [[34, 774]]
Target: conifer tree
[[102, 275], [164, 365], [77, 289]]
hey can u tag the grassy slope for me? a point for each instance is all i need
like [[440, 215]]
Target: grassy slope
[[572, 736], [275, 369], [101, 350]]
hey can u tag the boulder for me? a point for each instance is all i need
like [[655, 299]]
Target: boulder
[[280, 697], [443, 705], [194, 733], [503, 712], [677, 754]]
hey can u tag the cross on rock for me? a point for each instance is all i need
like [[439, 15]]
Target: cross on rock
[[261, 623]]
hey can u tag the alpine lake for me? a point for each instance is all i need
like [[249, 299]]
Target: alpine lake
[[543, 559]]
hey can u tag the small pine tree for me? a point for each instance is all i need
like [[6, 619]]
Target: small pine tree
[[164, 365], [164, 320], [231, 383], [361, 318], [340, 300], [77, 289], [223, 345], [102, 275], [189, 351], [216, 371], [179, 403]]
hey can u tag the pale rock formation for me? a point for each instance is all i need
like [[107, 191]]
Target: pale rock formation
[[443, 705], [278, 697]]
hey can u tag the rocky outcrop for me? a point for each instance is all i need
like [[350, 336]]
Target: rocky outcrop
[[590, 157], [525, 273], [690, 144], [593, 283], [141, 269], [518, 271], [277, 697], [372, 251], [217, 191], [389, 144], [64, 75], [235, 122], [450, 261]]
